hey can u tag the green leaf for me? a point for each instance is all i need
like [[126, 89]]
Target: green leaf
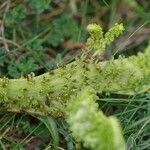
[[63, 28], [15, 16], [39, 5], [51, 126], [23, 65]]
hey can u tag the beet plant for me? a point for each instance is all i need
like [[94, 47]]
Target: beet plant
[[71, 90]]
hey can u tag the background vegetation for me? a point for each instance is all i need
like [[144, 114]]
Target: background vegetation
[[38, 35]]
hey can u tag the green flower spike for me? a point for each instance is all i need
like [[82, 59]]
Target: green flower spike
[[89, 124], [98, 41]]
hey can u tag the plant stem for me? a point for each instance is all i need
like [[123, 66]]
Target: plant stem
[[49, 94]]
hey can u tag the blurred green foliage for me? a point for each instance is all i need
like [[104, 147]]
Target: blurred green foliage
[[14, 17], [31, 54], [39, 6], [63, 28]]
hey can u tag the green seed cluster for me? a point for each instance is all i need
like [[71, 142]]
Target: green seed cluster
[[98, 40], [113, 33]]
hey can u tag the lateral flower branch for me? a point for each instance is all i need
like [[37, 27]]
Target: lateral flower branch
[[71, 91]]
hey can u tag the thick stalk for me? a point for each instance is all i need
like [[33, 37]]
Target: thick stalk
[[49, 94]]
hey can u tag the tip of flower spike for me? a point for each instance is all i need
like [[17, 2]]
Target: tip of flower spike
[[113, 33], [120, 27], [97, 40], [118, 140], [93, 28]]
